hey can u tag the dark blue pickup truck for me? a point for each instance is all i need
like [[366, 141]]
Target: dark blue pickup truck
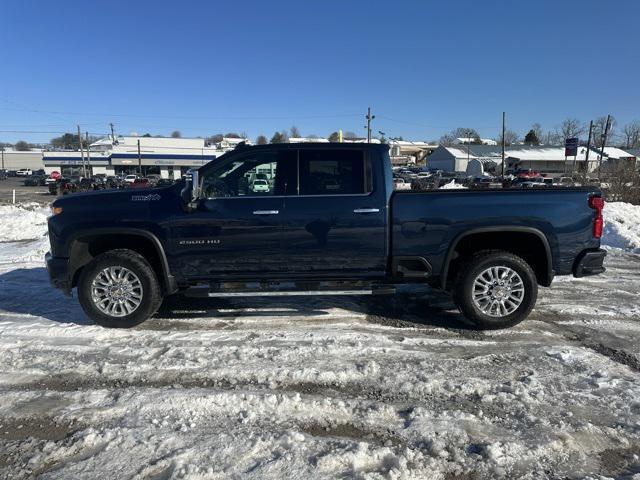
[[318, 219]]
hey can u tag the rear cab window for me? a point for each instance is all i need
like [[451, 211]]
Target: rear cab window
[[334, 172]]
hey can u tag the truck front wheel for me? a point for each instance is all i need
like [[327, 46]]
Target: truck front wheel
[[119, 289], [495, 289]]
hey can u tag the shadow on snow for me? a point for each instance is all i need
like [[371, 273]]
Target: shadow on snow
[[26, 291]]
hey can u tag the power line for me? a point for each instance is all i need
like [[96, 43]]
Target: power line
[[197, 117], [49, 132], [432, 126]]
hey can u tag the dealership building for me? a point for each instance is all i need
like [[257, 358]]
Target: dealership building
[[167, 157]]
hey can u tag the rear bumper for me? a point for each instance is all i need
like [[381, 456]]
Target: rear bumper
[[589, 262], [58, 269]]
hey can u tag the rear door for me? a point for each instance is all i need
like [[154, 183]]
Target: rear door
[[336, 224]]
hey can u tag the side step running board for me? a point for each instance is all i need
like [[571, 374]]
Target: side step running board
[[291, 293], [277, 289]]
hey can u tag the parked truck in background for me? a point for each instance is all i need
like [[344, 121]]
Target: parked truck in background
[[331, 224]]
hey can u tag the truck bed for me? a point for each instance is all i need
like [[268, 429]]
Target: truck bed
[[430, 223]]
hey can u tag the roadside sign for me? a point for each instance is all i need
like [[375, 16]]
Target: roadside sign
[[571, 147]]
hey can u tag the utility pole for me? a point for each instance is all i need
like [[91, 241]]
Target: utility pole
[[139, 159], [604, 143], [2, 152], [503, 126], [468, 145], [369, 117], [84, 168], [86, 136], [586, 155], [113, 136]]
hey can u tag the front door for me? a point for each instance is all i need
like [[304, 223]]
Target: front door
[[237, 227]]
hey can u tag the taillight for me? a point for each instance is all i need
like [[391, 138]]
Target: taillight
[[597, 203]]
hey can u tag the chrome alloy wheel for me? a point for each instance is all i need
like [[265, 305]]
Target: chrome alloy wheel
[[498, 291], [116, 291]]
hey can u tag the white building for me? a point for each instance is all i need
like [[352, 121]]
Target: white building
[[616, 157], [405, 152], [15, 159], [542, 159], [308, 140], [229, 143], [167, 157], [456, 159]]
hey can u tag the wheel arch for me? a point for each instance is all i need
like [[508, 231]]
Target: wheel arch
[[87, 244], [501, 236]]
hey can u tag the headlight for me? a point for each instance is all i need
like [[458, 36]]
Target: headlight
[[56, 211]]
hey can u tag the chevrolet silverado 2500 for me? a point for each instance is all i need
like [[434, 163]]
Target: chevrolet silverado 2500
[[330, 223]]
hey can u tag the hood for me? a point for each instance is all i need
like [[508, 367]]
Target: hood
[[128, 198]]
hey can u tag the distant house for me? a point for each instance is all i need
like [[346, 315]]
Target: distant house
[[472, 140], [456, 159], [404, 152], [308, 140], [616, 157]]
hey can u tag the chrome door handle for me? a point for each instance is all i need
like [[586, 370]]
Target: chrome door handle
[[266, 212], [366, 210]]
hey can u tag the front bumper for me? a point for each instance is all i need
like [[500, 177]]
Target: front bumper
[[589, 262], [58, 269]]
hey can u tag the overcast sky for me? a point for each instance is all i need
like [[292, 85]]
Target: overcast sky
[[425, 67]]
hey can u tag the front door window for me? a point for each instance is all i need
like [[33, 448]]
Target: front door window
[[255, 175]]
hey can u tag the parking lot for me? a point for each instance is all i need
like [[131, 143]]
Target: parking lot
[[387, 387], [23, 194]]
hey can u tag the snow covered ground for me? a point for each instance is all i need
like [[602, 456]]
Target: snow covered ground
[[374, 388]]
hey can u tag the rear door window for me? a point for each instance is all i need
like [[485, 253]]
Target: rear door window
[[334, 172]]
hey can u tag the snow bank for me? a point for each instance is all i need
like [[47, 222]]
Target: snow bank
[[622, 226], [450, 185], [23, 222]]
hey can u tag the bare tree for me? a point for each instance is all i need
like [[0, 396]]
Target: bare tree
[[463, 132], [624, 182], [176, 134], [349, 135], [570, 128], [510, 137], [261, 140], [552, 138], [447, 140], [631, 134], [294, 132]]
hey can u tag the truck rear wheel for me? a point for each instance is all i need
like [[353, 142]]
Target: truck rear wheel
[[119, 289], [496, 289]]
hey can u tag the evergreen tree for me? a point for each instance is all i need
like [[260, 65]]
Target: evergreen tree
[[531, 138], [279, 137]]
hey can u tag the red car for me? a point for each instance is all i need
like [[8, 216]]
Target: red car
[[140, 183]]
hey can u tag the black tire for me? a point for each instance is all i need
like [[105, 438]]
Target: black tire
[[136, 263], [464, 284]]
